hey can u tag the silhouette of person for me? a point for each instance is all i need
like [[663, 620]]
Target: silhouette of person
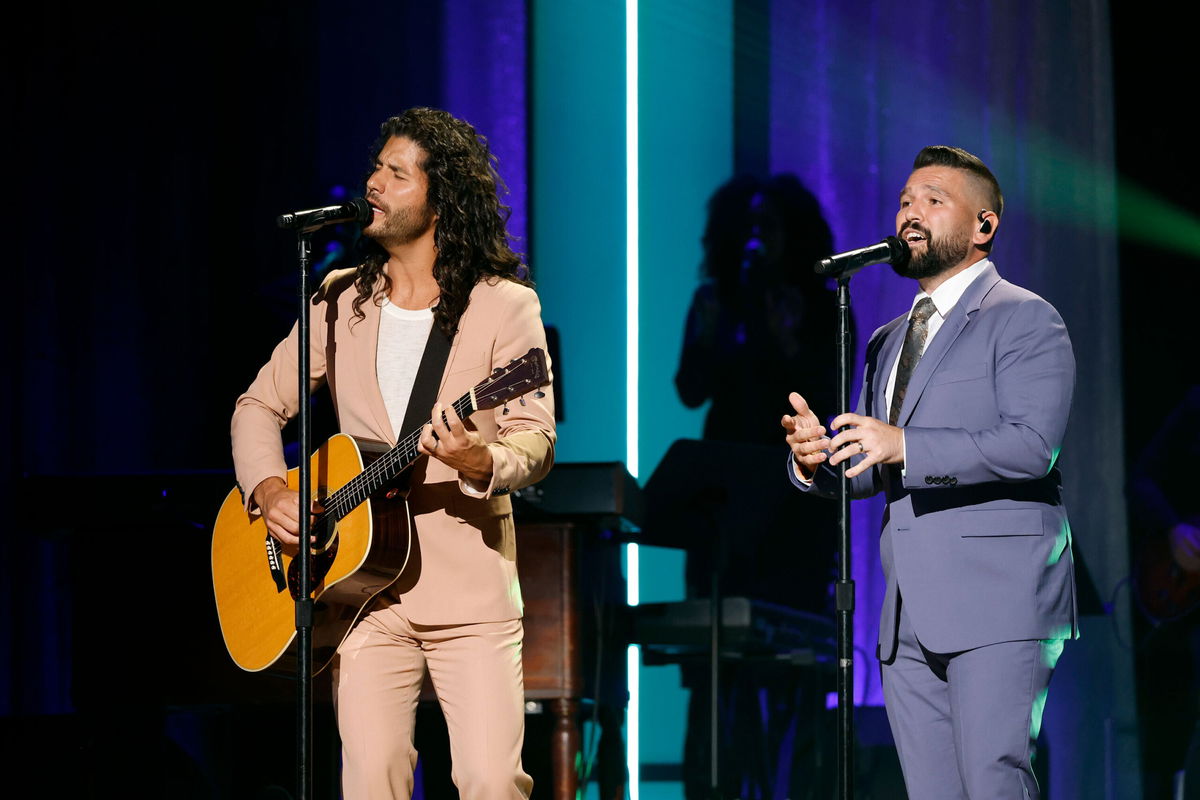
[[761, 312], [760, 317]]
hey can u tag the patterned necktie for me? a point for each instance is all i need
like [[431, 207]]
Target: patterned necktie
[[914, 345]]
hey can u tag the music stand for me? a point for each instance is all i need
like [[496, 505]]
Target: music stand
[[691, 494]]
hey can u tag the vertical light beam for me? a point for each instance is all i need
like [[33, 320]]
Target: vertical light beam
[[632, 667], [633, 664], [631, 236], [632, 572], [633, 654]]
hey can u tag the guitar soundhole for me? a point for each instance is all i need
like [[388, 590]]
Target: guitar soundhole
[[321, 562]]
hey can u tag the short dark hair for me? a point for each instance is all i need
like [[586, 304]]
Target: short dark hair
[[940, 155]]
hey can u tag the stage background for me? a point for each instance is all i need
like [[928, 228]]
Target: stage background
[[151, 152]]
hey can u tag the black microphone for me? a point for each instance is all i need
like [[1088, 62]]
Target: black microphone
[[842, 265], [357, 210]]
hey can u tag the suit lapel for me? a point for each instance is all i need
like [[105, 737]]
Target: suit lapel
[[960, 315], [463, 324], [881, 367]]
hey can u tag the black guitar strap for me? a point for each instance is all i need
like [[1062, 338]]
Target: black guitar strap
[[429, 377], [425, 387]]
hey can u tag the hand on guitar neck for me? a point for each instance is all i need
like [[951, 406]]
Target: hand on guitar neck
[[448, 440], [280, 507], [1184, 539]]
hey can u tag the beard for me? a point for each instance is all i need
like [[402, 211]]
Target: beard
[[938, 256], [402, 226]]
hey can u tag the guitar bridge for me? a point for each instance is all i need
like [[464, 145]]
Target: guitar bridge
[[275, 562]]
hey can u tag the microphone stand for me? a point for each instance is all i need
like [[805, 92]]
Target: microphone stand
[[843, 266], [304, 601], [844, 591], [305, 223]]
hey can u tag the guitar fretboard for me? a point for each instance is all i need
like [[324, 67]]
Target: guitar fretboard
[[385, 468]]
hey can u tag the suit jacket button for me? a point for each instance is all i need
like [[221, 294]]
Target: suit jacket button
[[953, 481], [929, 479]]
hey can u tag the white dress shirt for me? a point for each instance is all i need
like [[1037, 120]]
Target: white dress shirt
[[944, 298]]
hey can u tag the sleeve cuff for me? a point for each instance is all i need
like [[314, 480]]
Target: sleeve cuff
[[480, 489], [472, 488], [794, 475]]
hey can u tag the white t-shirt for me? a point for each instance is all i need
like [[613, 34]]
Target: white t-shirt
[[403, 335]]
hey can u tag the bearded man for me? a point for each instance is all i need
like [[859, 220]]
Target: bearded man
[[439, 276], [960, 422]]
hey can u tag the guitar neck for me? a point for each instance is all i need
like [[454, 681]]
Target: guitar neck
[[524, 374], [385, 468]]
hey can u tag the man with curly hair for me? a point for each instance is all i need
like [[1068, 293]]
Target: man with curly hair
[[438, 264]]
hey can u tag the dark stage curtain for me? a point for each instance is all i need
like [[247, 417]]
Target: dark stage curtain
[[151, 153]]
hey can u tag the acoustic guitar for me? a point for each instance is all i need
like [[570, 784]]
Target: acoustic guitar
[[1164, 590], [361, 537]]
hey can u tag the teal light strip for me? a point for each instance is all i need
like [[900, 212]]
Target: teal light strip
[[632, 573], [631, 236], [633, 655], [633, 665]]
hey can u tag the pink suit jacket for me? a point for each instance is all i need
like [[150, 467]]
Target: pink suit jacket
[[463, 566]]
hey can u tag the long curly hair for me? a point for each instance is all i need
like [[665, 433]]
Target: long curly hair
[[471, 236], [777, 219]]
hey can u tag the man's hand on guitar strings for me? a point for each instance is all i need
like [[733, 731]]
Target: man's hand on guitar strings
[[280, 508]]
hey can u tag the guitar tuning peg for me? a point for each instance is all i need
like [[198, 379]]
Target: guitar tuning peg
[[522, 401], [498, 370], [539, 394], [505, 411]]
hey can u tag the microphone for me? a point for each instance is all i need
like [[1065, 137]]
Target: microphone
[[357, 210], [842, 265]]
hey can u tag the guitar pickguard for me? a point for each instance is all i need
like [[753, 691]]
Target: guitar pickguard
[[321, 562]]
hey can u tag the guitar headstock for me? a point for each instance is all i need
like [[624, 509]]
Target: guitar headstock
[[521, 376]]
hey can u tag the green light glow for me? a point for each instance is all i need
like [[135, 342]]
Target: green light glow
[[1062, 544], [1051, 650], [1148, 219]]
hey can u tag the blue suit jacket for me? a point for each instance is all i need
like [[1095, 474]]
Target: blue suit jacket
[[975, 536]]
